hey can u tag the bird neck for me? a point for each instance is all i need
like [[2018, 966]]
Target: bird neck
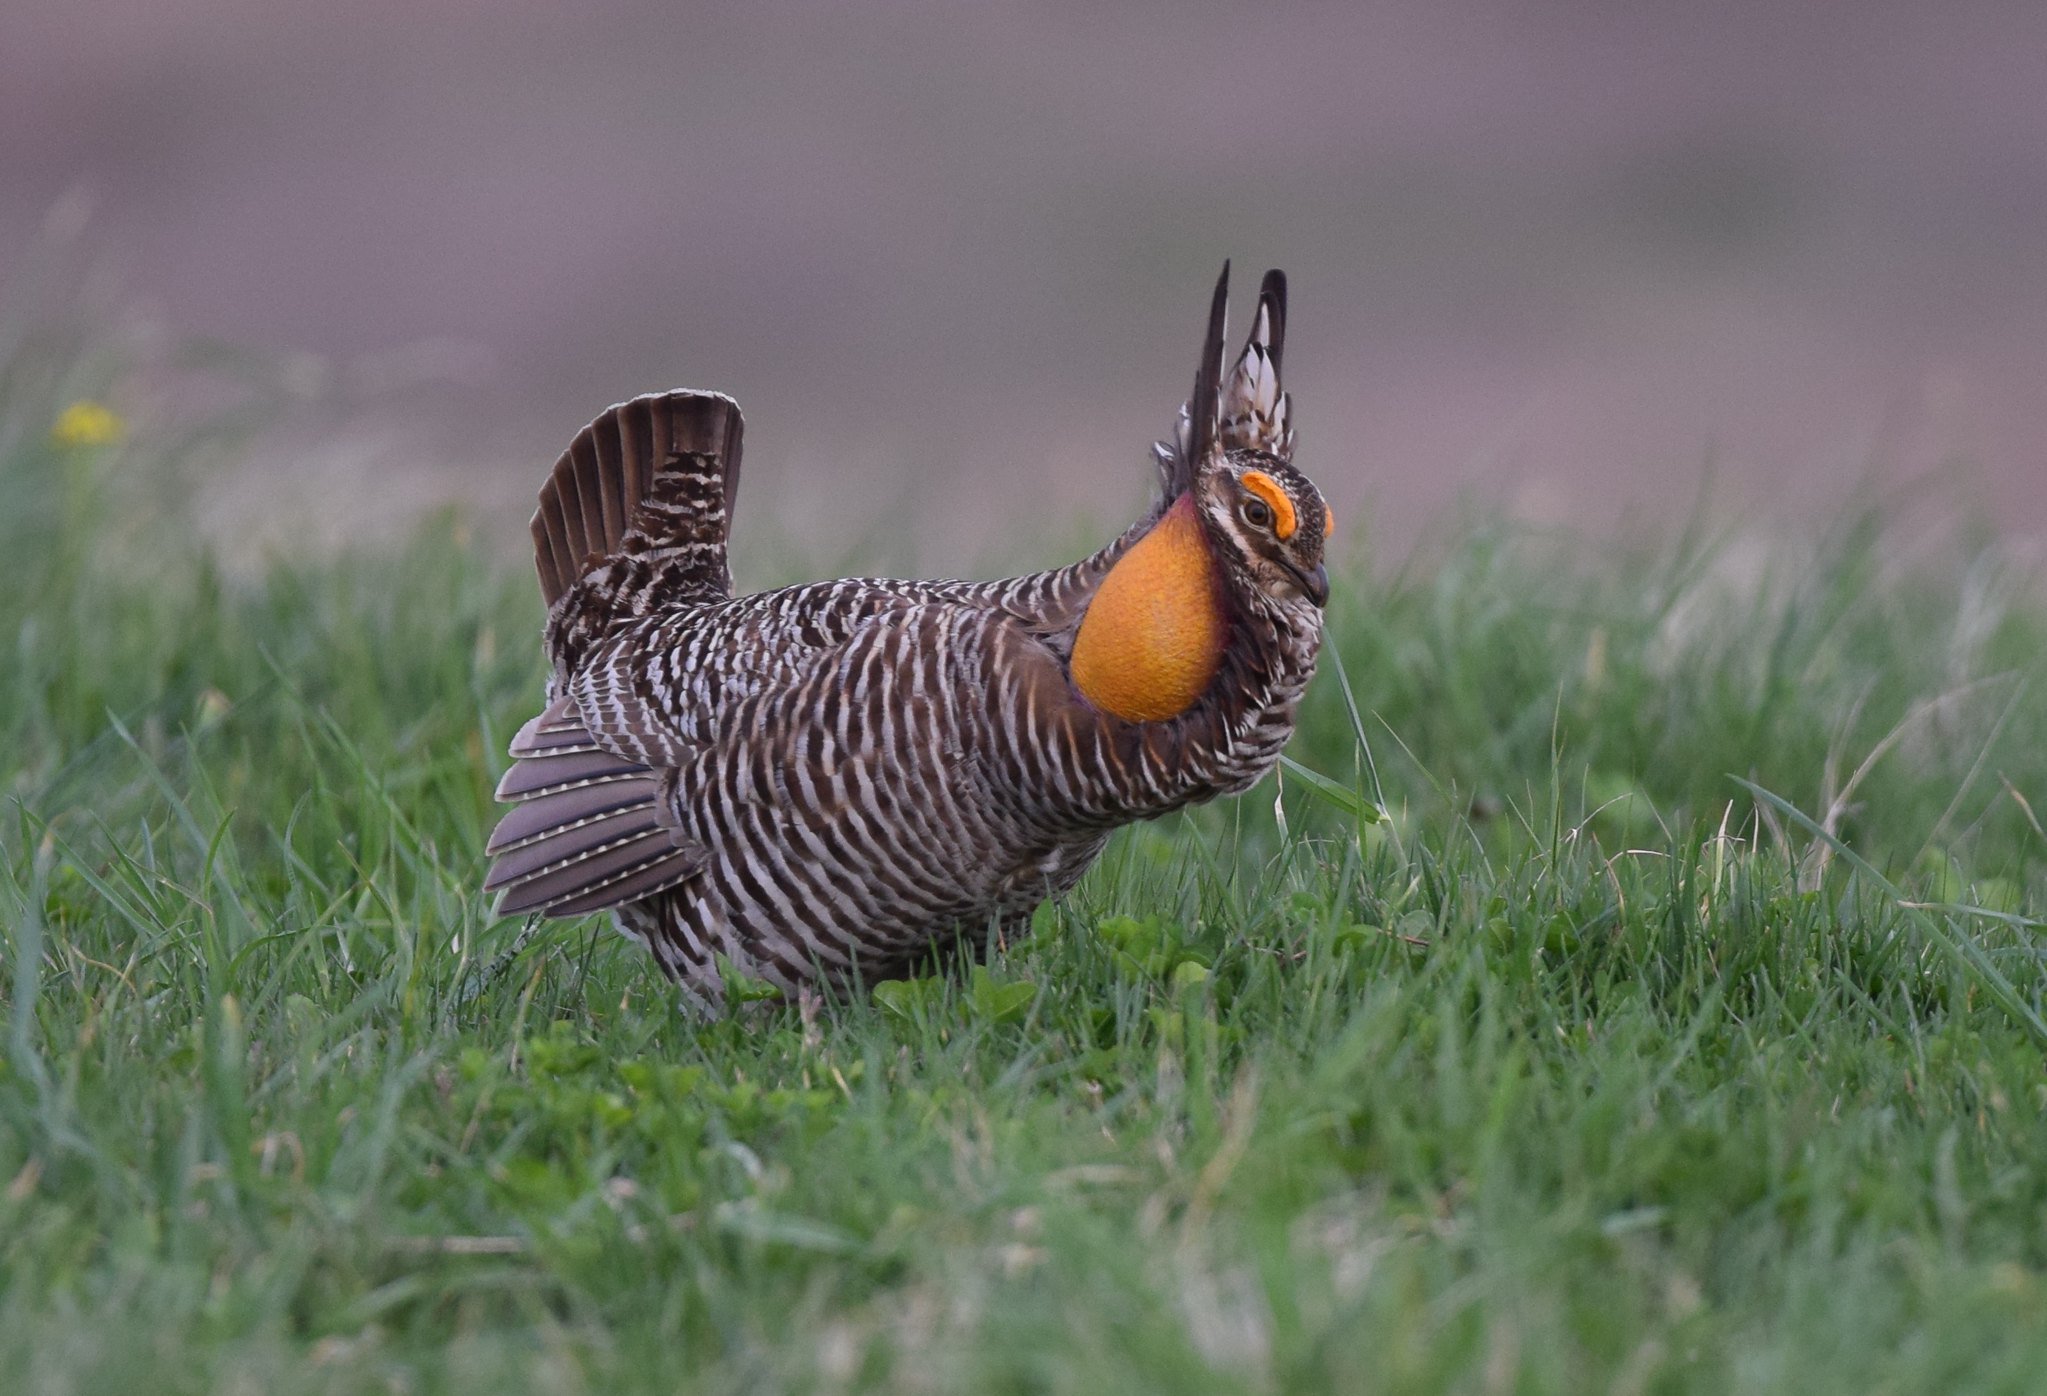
[[1155, 630]]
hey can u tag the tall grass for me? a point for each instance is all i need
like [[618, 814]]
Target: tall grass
[[1529, 1049]]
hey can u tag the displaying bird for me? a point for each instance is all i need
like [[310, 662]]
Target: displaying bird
[[828, 783]]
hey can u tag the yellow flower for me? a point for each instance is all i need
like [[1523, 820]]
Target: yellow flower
[[88, 423]]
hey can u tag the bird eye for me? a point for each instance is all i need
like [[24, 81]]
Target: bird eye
[[1266, 505]]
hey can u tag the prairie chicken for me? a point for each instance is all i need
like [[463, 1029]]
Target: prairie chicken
[[828, 783]]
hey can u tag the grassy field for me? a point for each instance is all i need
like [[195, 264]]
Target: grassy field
[[1644, 1001]]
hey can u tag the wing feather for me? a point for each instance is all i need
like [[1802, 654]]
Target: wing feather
[[587, 828]]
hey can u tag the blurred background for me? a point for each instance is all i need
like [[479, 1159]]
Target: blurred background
[[1568, 261]]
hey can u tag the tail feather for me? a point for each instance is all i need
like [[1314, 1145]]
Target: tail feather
[[654, 477], [550, 548]]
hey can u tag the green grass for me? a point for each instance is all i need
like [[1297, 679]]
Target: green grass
[[1531, 1053]]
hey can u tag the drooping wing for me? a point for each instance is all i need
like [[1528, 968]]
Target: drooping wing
[[587, 828], [656, 691], [592, 777], [878, 793]]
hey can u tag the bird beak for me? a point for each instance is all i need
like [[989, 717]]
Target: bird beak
[[1314, 585]]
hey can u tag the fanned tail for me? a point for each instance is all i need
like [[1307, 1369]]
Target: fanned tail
[[585, 831], [653, 479]]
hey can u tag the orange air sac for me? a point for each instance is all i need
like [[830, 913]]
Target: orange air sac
[[1152, 637]]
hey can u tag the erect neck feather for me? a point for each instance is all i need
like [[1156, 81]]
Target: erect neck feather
[[1153, 635]]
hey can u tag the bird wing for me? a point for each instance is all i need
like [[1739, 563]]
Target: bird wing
[[871, 794], [592, 777], [658, 690], [588, 828]]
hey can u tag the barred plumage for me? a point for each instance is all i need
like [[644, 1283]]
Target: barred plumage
[[833, 781]]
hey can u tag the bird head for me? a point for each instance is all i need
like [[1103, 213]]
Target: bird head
[[1269, 522], [1239, 530], [1233, 451]]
